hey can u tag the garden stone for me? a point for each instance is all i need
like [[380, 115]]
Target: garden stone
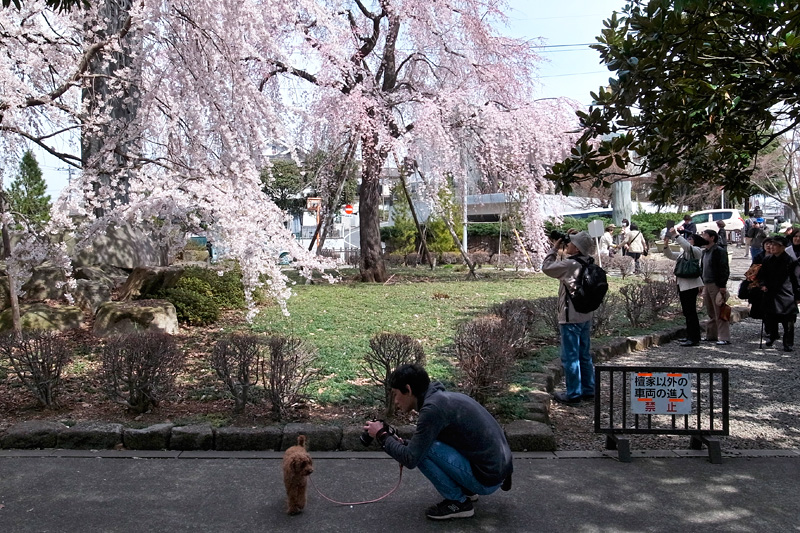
[[139, 315], [32, 434], [320, 438], [535, 413], [639, 343], [195, 437], [123, 246], [44, 317], [155, 437], [149, 280], [111, 279], [90, 295], [530, 436], [91, 436], [351, 440], [43, 284], [242, 439]]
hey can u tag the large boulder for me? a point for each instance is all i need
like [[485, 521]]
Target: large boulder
[[124, 247], [114, 318], [90, 295], [149, 280], [46, 283], [44, 317]]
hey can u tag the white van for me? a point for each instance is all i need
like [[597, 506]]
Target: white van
[[708, 219]]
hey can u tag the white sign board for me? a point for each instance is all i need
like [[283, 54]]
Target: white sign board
[[661, 393], [596, 229]]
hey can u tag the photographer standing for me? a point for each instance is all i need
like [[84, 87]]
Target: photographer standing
[[575, 327], [457, 445]]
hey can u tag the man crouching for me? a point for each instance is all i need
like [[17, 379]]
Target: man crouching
[[457, 445]]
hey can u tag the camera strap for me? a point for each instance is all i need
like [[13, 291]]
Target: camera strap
[[399, 480]]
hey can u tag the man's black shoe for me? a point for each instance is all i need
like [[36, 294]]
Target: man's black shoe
[[706, 339], [450, 509], [588, 398], [689, 343], [561, 397], [769, 343], [788, 348]]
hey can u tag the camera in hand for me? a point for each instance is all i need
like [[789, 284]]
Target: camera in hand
[[556, 235], [366, 439]]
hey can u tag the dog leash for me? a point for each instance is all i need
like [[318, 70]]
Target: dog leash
[[399, 480]]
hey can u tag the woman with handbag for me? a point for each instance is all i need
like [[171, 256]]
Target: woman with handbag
[[634, 246], [781, 290], [687, 276]]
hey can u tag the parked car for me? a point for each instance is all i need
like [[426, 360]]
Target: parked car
[[708, 219]]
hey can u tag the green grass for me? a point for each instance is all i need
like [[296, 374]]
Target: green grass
[[340, 319]]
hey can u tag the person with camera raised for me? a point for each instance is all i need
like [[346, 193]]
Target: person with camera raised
[[689, 282], [458, 445], [575, 327]]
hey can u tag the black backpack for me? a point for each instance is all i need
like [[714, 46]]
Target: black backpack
[[591, 286]]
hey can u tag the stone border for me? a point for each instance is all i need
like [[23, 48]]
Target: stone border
[[531, 435]]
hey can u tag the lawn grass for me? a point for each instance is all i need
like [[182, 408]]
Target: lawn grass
[[340, 319]]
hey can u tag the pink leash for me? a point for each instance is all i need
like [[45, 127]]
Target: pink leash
[[358, 503]]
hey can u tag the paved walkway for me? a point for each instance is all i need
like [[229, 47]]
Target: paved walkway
[[73, 491]]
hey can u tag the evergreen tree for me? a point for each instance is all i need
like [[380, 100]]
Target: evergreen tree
[[27, 192]]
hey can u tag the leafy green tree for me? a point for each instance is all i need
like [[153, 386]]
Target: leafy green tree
[[284, 184], [700, 87], [27, 194]]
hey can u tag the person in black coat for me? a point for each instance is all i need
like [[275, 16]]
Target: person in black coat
[[781, 293]]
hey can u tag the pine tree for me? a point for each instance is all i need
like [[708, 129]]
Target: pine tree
[[27, 192]]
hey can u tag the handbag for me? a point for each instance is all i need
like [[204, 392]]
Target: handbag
[[686, 267], [725, 312]]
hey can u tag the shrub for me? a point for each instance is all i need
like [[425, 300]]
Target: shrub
[[395, 260], [451, 258], [290, 372], [635, 296], [37, 358], [546, 311], [519, 317], [413, 259], [237, 359], [621, 263], [226, 285], [480, 258], [387, 352], [653, 269], [605, 314], [660, 295], [502, 261], [484, 358], [192, 307], [139, 369]]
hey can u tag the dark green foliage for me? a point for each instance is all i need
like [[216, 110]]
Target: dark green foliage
[[192, 307], [700, 87], [226, 289], [27, 194], [284, 184]]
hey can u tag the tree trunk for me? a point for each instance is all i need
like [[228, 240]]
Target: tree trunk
[[373, 268]]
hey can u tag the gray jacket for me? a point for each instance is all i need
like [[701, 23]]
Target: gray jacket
[[458, 421], [567, 272]]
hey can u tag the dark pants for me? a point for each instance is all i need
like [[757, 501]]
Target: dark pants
[[689, 307], [771, 327]]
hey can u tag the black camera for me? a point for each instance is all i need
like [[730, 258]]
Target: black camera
[[366, 439], [556, 235]]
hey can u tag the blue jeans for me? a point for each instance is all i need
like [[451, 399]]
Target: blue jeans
[[576, 359], [451, 473]]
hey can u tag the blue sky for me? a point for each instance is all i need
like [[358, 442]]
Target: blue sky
[[571, 71]]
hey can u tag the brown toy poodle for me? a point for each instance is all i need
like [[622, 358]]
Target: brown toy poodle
[[297, 466]]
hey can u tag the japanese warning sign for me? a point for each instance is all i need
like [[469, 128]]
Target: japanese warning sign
[[661, 393]]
